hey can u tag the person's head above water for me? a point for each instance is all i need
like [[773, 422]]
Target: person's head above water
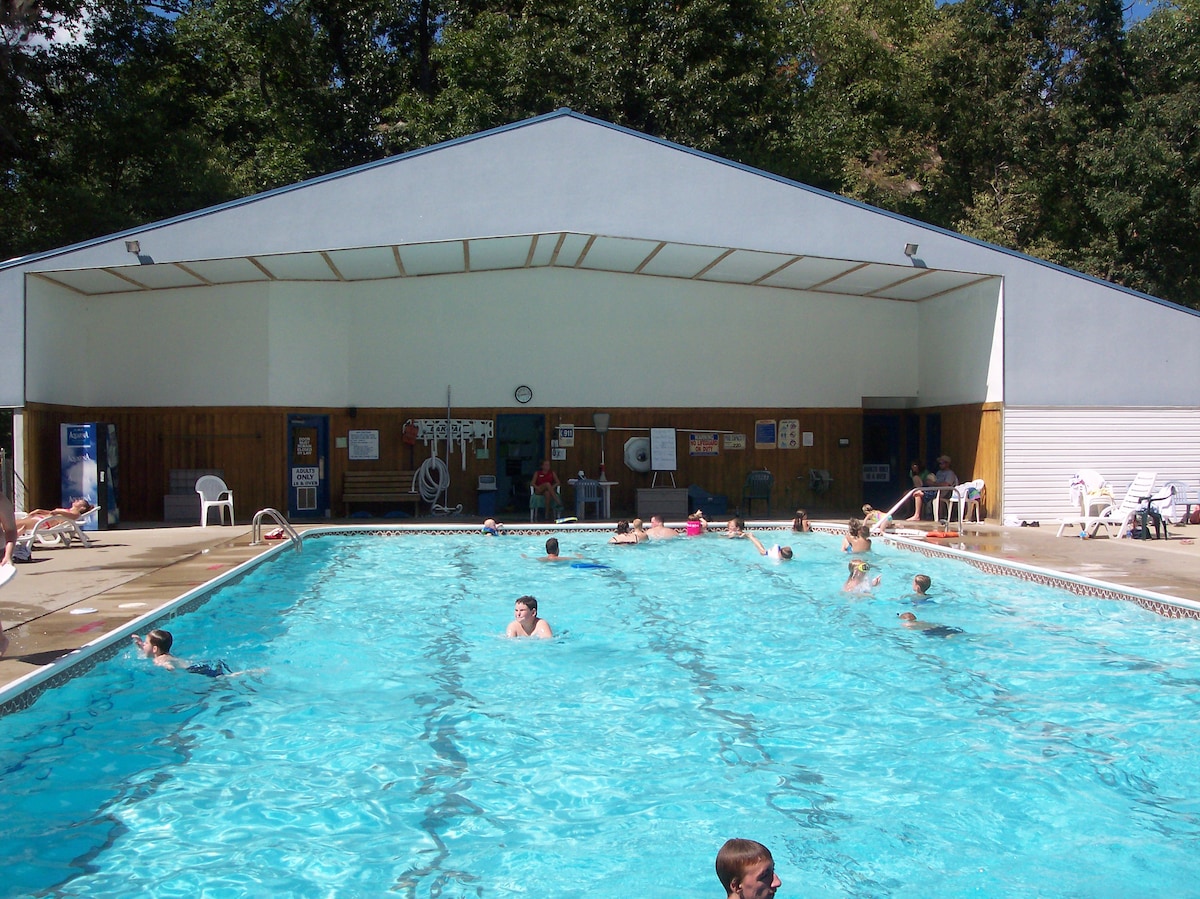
[[747, 869], [858, 568], [922, 583], [160, 640], [552, 546]]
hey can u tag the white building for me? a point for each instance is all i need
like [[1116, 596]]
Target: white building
[[606, 270]]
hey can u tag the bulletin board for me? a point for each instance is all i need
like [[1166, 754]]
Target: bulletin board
[[662, 449]]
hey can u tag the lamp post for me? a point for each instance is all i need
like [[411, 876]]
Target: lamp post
[[600, 421]]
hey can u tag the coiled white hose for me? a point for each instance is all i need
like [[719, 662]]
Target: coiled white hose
[[432, 480]]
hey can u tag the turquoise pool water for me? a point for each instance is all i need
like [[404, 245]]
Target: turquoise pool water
[[395, 744]]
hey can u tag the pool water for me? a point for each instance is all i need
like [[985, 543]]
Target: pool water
[[388, 740]]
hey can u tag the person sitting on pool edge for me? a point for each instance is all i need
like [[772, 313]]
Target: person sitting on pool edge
[[746, 869], [157, 646], [859, 581], [776, 552], [928, 628], [525, 621]]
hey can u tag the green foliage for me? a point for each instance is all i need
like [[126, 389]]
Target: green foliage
[[1040, 125]]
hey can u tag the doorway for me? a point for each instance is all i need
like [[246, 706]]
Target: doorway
[[308, 466], [520, 448], [883, 467]]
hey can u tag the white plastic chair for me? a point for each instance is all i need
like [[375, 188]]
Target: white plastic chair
[[1183, 502], [214, 492], [967, 497]]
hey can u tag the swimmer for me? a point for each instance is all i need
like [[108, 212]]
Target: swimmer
[[624, 535], [157, 646], [859, 581], [735, 528], [876, 522], [801, 524], [920, 588], [525, 621], [552, 554], [746, 869], [928, 628], [696, 524], [658, 530], [491, 528], [776, 552], [856, 539], [638, 530]]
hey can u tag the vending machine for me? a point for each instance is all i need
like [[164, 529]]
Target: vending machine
[[89, 471]]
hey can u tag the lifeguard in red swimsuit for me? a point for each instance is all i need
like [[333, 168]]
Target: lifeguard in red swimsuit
[[546, 483]]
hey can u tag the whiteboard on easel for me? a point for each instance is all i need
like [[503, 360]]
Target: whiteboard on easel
[[662, 449]]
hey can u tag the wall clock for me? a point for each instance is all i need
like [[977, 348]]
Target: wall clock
[[523, 394]]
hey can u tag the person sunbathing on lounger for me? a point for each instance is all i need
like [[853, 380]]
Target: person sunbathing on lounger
[[77, 510]]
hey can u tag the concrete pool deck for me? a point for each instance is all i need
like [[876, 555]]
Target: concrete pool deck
[[130, 572]]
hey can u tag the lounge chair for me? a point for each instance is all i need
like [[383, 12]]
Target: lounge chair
[[58, 530], [1140, 493]]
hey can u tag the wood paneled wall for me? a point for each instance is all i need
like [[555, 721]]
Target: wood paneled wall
[[250, 445]]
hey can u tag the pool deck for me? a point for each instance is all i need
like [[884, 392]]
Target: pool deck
[[133, 571]]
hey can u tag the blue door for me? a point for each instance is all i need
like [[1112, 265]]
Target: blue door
[[308, 466]]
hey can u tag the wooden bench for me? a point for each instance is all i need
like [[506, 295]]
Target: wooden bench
[[379, 487]]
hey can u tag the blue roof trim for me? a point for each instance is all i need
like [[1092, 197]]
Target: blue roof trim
[[565, 112]]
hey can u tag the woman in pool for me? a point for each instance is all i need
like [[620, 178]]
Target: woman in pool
[[525, 621], [859, 580], [856, 539], [623, 534], [801, 524]]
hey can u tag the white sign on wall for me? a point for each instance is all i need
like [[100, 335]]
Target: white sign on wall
[[308, 476], [566, 435], [364, 444]]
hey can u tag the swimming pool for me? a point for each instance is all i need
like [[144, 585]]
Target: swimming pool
[[395, 743]]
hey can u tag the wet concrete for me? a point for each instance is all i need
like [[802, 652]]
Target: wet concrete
[[68, 597]]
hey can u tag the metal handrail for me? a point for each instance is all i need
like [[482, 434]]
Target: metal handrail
[[877, 528], [256, 528]]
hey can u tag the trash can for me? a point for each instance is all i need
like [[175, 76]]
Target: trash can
[[487, 496]]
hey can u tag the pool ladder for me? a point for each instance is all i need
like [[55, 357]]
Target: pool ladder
[[277, 517]]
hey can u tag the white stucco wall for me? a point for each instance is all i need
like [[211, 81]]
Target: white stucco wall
[[960, 346], [166, 348], [578, 338], [1062, 333]]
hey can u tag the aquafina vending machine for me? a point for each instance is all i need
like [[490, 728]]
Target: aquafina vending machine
[[89, 471]]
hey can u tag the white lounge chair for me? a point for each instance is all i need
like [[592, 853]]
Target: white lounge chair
[[58, 530], [214, 492], [1140, 492]]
